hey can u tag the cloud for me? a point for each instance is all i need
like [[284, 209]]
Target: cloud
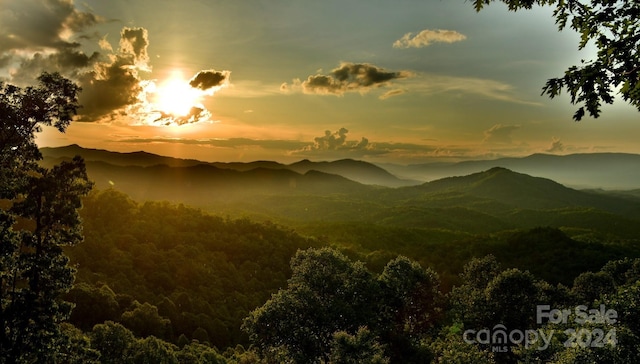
[[133, 44], [67, 61], [428, 37], [331, 141], [37, 25], [196, 114], [491, 89], [360, 77], [392, 93], [113, 88], [111, 83], [500, 134], [330, 145], [45, 35], [104, 44], [336, 145], [37, 35], [207, 79], [232, 143], [556, 146]]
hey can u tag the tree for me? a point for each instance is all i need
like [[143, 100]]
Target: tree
[[332, 303], [152, 350], [356, 349], [113, 341], [38, 216], [450, 347], [196, 353], [325, 294], [589, 286], [490, 297], [144, 321], [410, 306], [92, 305], [412, 294], [614, 28], [512, 297], [469, 301]]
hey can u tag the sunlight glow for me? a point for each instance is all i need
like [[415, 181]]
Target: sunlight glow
[[176, 97]]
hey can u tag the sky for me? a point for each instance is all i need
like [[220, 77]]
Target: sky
[[401, 81]]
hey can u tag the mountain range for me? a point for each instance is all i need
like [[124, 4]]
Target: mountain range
[[359, 171], [495, 199], [611, 171]]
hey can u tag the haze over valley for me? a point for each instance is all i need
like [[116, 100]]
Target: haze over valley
[[489, 200]]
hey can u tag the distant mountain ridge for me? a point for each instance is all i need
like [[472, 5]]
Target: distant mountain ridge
[[139, 158], [527, 192], [612, 171], [609, 171], [358, 171]]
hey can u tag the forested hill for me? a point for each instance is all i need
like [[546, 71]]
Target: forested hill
[[523, 191], [180, 274]]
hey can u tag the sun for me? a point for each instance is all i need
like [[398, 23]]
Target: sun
[[176, 97]]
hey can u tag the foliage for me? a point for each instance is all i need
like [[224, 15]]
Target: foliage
[[152, 350], [613, 27], [331, 309], [509, 297], [327, 294], [169, 270], [361, 348], [449, 347], [589, 286], [113, 341], [75, 347], [144, 321], [37, 218]]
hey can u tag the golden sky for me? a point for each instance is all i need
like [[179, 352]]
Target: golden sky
[[386, 81]]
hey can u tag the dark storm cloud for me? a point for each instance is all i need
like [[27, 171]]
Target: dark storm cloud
[[38, 24], [207, 79], [351, 77]]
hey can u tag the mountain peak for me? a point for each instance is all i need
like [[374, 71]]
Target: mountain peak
[[507, 186], [495, 170], [498, 168]]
